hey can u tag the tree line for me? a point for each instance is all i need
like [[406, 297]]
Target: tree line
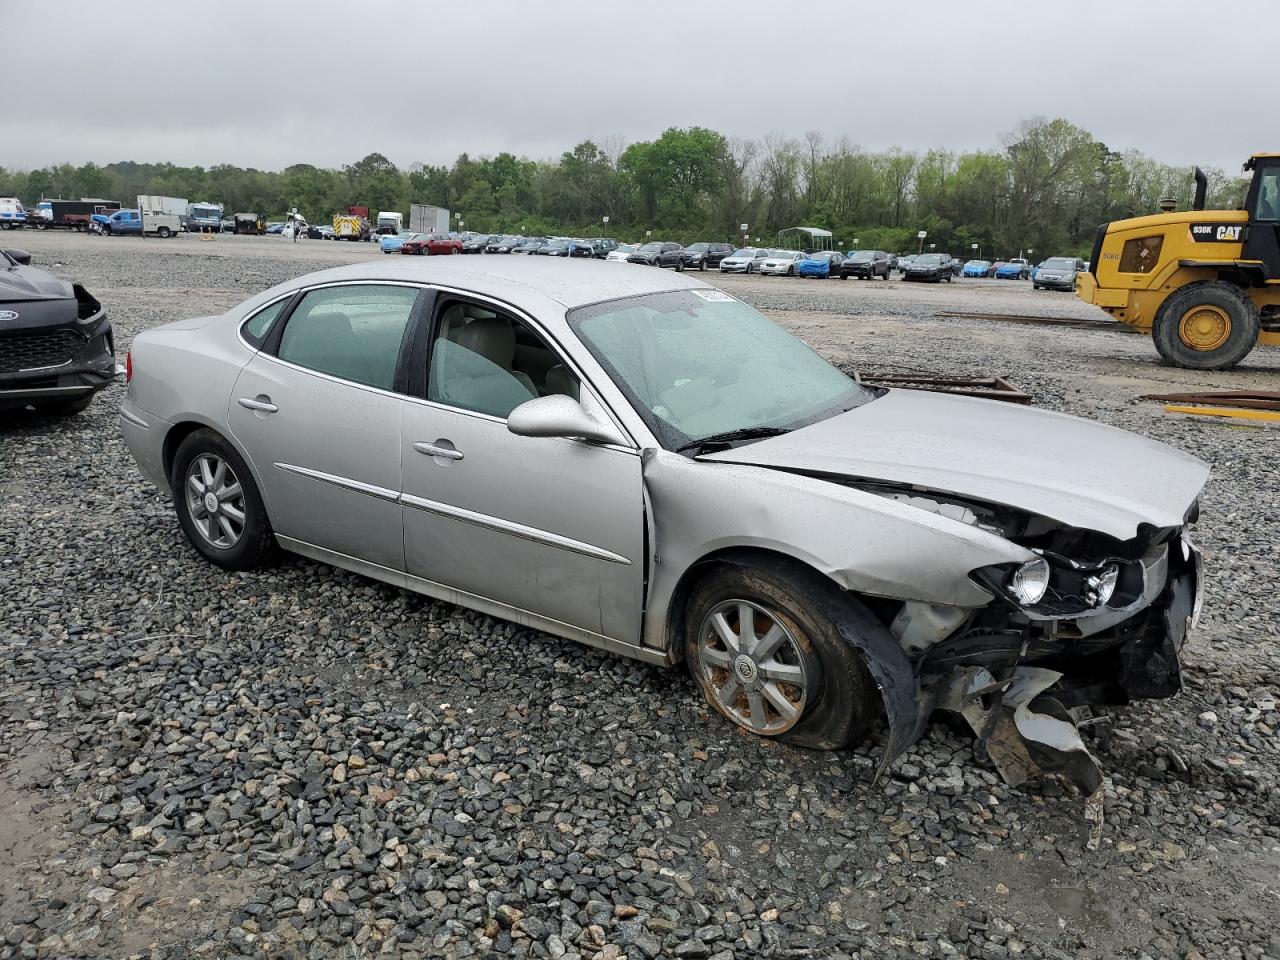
[[1046, 187]]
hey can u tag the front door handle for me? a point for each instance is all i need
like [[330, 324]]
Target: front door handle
[[435, 450], [253, 403]]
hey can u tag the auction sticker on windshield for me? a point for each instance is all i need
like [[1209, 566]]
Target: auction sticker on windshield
[[713, 296]]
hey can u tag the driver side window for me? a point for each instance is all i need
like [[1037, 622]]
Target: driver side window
[[489, 362], [1269, 195]]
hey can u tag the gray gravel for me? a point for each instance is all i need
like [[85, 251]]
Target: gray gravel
[[303, 763]]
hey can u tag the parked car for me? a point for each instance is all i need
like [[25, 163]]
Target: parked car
[[529, 245], [1007, 560], [980, 268], [700, 256], [1010, 271], [781, 263], [424, 245], [823, 263], [1057, 273], [620, 254], [56, 344], [1024, 267], [475, 244], [503, 244], [275, 226], [659, 253], [567, 248], [866, 265], [321, 231], [602, 246], [392, 242], [744, 260], [932, 267]]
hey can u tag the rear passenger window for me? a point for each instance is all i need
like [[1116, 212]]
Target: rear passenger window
[[257, 327], [491, 363], [352, 332]]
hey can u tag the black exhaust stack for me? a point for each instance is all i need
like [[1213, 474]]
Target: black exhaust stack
[[1202, 187]]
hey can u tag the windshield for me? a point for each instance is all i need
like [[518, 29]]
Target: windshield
[[558, 244], [625, 248], [698, 247], [863, 255], [695, 363], [206, 213], [652, 246], [746, 253], [978, 263], [1059, 263], [929, 259]]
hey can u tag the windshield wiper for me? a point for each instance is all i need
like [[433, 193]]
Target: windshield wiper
[[732, 436]]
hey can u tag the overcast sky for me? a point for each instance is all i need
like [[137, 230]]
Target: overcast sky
[[267, 83]]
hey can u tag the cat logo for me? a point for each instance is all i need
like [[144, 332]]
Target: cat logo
[[1217, 232]]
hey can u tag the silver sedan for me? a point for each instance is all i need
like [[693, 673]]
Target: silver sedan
[[641, 462]]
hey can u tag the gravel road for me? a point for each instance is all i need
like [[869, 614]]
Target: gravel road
[[302, 763]]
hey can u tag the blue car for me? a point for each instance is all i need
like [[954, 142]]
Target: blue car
[[392, 242], [977, 268], [824, 263], [1013, 270]]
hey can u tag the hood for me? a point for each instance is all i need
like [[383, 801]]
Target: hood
[[31, 283], [1077, 472]]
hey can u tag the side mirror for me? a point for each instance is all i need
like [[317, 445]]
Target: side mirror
[[560, 416], [21, 256]]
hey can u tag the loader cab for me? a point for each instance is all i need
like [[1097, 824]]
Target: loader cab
[[1262, 241]]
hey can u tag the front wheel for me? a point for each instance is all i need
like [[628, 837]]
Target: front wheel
[[218, 503], [680, 266], [1206, 326], [766, 656]]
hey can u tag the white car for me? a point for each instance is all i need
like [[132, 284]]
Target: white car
[[620, 254], [744, 260], [781, 262]]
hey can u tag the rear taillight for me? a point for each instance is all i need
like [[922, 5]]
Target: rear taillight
[[128, 366]]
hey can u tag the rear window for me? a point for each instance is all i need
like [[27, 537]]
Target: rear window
[[257, 327]]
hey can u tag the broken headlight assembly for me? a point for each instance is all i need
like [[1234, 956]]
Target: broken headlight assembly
[[1052, 586]]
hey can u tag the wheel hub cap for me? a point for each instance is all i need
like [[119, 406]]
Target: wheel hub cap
[[1205, 328], [211, 503], [751, 667], [215, 501]]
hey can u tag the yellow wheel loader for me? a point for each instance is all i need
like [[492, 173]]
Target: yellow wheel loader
[[1206, 283]]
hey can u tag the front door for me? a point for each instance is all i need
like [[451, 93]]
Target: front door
[[1263, 241], [550, 526], [318, 413]]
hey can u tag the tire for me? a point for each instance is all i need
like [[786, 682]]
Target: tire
[[680, 265], [702, 267], [42, 226], [1206, 326], [255, 544], [836, 698], [66, 406], [842, 275], [165, 233], [1035, 286]]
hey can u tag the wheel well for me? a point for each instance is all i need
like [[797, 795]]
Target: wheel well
[[173, 439], [883, 609]]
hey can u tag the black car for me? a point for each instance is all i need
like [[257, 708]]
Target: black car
[[659, 253], [566, 248], [532, 245], [603, 246], [933, 267], [56, 345], [503, 244], [476, 244], [1057, 273], [866, 265], [700, 256]]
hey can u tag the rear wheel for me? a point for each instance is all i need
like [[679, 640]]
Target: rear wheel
[[1206, 326], [218, 503], [165, 233], [766, 657]]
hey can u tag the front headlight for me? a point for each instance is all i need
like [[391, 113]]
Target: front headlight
[[1100, 587], [1030, 581]]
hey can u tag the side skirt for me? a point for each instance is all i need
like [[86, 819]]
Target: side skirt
[[471, 601]]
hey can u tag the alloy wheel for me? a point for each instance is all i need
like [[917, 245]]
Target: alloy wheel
[[753, 667], [215, 500]]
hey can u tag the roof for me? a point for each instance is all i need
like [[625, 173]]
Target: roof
[[569, 283], [811, 231]]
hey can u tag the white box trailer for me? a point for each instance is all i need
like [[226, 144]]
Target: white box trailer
[[161, 215], [424, 218]]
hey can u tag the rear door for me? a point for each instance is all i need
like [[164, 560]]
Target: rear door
[[318, 411], [546, 525]]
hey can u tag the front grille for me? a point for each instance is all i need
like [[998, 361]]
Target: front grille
[[45, 348]]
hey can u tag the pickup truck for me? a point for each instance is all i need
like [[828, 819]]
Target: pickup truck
[[126, 222]]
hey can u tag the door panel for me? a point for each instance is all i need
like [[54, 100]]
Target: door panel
[[552, 526], [328, 457]]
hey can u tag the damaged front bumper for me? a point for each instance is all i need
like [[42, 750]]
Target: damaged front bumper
[[1024, 694]]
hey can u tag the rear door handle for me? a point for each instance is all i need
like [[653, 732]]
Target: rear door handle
[[252, 403], [433, 450]]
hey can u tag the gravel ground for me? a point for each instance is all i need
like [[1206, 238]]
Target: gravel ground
[[303, 763]]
